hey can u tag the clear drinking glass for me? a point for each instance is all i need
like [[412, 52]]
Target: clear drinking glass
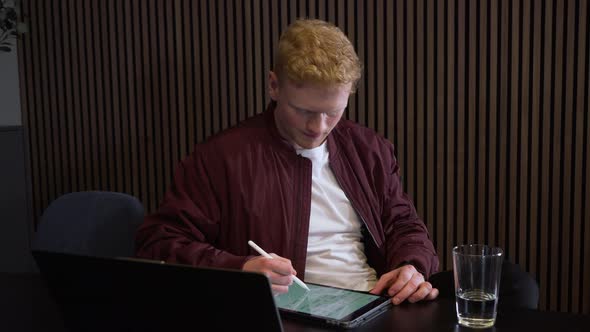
[[477, 269]]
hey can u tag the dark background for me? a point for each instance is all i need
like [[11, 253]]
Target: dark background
[[485, 101]]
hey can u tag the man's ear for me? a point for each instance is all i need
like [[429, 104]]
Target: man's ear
[[273, 86]]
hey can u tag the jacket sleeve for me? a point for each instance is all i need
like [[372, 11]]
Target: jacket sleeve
[[406, 237], [186, 225]]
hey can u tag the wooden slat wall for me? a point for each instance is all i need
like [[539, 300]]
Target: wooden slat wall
[[486, 102]]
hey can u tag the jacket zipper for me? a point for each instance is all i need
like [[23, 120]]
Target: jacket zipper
[[298, 200], [354, 206], [297, 204]]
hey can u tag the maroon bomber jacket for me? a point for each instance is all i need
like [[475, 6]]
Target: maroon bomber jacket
[[247, 183]]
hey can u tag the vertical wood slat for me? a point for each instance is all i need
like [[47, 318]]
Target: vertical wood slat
[[513, 113], [172, 76], [118, 91], [568, 166], [574, 203], [132, 33], [56, 90], [580, 255], [100, 14], [482, 95], [485, 101], [165, 110], [522, 105], [420, 94], [232, 103], [450, 198], [544, 132], [533, 190], [439, 118], [461, 69], [156, 63], [472, 122]]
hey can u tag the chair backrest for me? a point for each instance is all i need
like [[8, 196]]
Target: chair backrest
[[94, 223]]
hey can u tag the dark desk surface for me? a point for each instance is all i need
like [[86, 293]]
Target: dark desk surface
[[25, 305]]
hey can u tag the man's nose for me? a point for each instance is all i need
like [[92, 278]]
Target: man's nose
[[317, 124]]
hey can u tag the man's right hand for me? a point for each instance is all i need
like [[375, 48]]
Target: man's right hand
[[279, 271]]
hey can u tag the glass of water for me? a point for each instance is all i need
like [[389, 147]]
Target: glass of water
[[477, 269]]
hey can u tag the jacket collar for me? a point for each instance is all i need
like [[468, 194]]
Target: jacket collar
[[276, 139]]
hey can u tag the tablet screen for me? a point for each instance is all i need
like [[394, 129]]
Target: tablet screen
[[330, 302]]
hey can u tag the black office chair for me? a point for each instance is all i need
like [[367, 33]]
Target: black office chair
[[93, 223]]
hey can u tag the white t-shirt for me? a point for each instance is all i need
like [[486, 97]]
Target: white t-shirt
[[335, 251]]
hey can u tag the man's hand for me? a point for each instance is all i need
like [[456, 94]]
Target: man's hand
[[405, 283], [279, 271]]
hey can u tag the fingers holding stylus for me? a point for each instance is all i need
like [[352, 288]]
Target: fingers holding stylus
[[279, 271]]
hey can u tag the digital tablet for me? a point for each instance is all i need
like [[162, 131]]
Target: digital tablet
[[330, 305]]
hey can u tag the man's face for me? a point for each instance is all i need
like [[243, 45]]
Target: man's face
[[306, 113]]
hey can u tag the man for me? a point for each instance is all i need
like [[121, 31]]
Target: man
[[322, 193]]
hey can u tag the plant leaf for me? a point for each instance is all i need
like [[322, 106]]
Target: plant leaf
[[5, 49]]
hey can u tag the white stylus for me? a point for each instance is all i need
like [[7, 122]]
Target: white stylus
[[265, 254]]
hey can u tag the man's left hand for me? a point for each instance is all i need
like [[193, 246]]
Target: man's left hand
[[405, 283]]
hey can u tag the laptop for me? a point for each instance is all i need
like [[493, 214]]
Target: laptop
[[127, 294]]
